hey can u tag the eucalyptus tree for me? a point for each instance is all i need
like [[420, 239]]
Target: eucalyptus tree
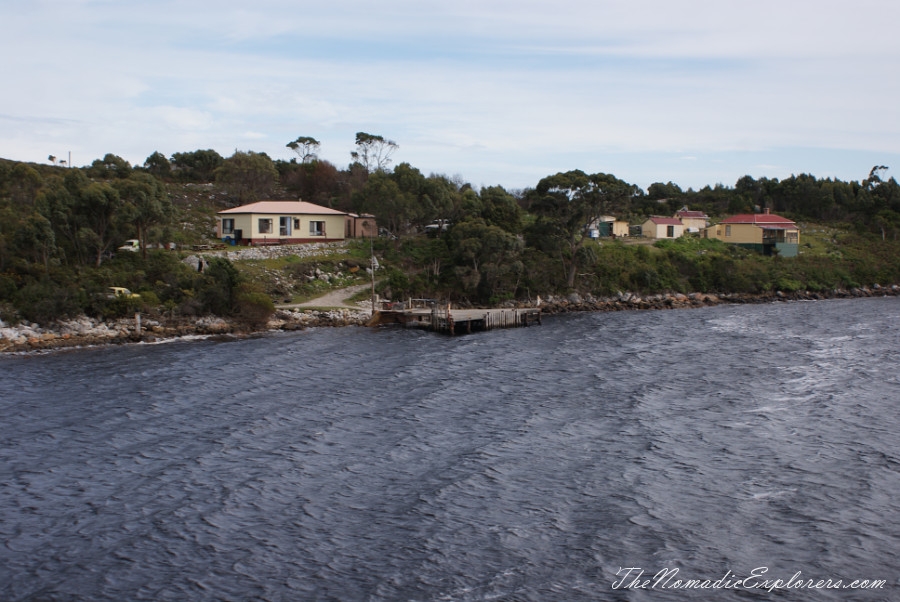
[[197, 166], [24, 183], [373, 152], [34, 238], [158, 165], [110, 166], [146, 204], [501, 209], [247, 176], [94, 214], [567, 205], [306, 147], [486, 259]]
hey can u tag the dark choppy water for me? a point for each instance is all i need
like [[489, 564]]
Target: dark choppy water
[[530, 464]]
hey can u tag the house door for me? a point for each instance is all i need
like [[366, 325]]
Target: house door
[[284, 226]]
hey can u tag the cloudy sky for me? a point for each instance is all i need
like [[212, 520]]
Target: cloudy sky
[[498, 92]]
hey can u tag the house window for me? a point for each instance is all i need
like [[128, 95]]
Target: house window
[[317, 228], [296, 223], [727, 230], [284, 226], [265, 225], [670, 231], [228, 225]]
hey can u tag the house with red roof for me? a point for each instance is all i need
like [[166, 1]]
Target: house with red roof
[[281, 222], [764, 232], [694, 221], [662, 227]]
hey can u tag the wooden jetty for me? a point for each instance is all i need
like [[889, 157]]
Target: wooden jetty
[[428, 314]]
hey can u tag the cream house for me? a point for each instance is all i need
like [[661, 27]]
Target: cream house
[[281, 222], [662, 227], [764, 232]]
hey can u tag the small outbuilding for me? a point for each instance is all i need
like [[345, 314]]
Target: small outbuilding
[[608, 226], [361, 226], [662, 227]]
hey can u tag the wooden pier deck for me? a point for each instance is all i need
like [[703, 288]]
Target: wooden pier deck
[[440, 318]]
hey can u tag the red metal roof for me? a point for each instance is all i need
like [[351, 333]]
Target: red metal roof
[[689, 214], [283, 208], [759, 219]]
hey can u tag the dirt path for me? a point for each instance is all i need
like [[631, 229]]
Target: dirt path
[[335, 298]]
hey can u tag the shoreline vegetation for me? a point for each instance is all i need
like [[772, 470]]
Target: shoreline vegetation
[[88, 252], [87, 332]]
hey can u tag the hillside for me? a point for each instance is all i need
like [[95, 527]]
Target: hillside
[[61, 228]]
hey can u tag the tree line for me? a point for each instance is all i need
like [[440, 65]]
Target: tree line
[[61, 224]]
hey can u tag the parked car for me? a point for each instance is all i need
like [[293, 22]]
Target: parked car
[[117, 292], [131, 245], [437, 226]]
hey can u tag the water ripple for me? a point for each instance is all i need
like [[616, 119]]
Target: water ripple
[[524, 464]]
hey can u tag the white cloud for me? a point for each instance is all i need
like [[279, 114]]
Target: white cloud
[[498, 89]]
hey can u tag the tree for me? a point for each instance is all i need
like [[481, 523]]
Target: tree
[[307, 148], [484, 255], [197, 166], [158, 165], [146, 204], [247, 176], [373, 152], [567, 205], [24, 184], [217, 286], [97, 207], [659, 191], [317, 181], [499, 208], [382, 196], [111, 166], [34, 237]]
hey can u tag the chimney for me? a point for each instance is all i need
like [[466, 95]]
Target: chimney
[[767, 211]]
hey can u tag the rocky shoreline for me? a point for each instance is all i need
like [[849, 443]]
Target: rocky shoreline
[[632, 301], [90, 332], [87, 332]]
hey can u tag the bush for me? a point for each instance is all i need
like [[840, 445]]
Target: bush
[[253, 307], [46, 301]]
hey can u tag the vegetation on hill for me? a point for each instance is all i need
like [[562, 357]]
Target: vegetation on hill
[[60, 228]]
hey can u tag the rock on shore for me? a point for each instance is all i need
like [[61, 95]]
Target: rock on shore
[[627, 301], [84, 331]]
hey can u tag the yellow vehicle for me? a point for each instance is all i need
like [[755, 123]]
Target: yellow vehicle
[[131, 245], [116, 292]]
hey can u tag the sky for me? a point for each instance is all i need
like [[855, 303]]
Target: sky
[[496, 92]]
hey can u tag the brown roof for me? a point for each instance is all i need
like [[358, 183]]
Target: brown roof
[[695, 214], [666, 221], [283, 208]]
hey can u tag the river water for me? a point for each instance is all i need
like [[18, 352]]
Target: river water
[[531, 464]]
